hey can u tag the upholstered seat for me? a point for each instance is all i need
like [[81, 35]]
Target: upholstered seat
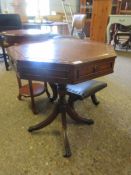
[[85, 89]]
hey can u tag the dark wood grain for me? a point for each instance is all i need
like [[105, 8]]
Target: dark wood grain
[[24, 36], [63, 60]]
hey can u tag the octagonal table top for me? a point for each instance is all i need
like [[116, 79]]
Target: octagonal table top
[[63, 50], [63, 60]]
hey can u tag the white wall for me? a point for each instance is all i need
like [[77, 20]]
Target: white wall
[[6, 6], [56, 5]]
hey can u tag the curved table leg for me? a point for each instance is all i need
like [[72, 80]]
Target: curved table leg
[[46, 122], [75, 116], [62, 107], [54, 90], [67, 150]]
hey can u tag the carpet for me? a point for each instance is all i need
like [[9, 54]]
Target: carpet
[[100, 149]]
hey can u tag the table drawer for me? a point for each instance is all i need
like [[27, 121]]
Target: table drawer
[[94, 70], [101, 67]]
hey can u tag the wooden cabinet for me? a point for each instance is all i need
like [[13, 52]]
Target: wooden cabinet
[[86, 7], [125, 7], [83, 6], [100, 15], [98, 12], [115, 6], [121, 7]]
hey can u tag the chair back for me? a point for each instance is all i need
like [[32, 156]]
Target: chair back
[[78, 23], [10, 22]]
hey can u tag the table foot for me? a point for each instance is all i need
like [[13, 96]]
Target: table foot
[[19, 97], [67, 150], [45, 122], [75, 116], [64, 108]]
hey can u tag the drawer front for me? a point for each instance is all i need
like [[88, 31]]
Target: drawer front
[[102, 67], [95, 70], [46, 73]]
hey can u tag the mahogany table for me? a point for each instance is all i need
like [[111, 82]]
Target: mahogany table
[[63, 61], [62, 27], [25, 35], [20, 36]]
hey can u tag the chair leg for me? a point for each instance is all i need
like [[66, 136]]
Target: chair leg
[[94, 100], [5, 59], [19, 96], [71, 100], [19, 85]]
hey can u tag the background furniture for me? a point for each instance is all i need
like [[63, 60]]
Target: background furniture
[[48, 26], [3, 55], [25, 36], [78, 25], [67, 61], [9, 22], [100, 14], [122, 37], [86, 7], [117, 19], [12, 33], [30, 89], [119, 25], [123, 7]]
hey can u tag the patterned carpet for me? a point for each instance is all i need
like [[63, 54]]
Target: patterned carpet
[[101, 149]]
